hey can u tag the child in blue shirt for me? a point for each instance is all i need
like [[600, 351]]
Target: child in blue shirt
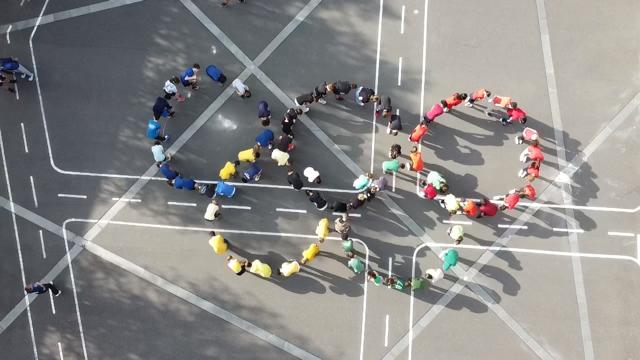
[[153, 131], [265, 138], [252, 173], [181, 183], [190, 77], [264, 113], [224, 189]]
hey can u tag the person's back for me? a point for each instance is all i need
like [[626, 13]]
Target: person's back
[[436, 179], [227, 171], [218, 244], [289, 268], [153, 129], [224, 189], [260, 268], [212, 212], [356, 265], [167, 172]]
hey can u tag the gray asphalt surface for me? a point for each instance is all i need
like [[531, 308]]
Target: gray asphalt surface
[[132, 291]]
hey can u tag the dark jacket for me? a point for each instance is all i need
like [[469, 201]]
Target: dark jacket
[[160, 106], [295, 181]]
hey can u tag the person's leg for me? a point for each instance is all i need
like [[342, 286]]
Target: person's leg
[[53, 288], [23, 70]]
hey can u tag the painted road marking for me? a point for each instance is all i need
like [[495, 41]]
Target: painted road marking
[[393, 182], [15, 87], [402, 20], [53, 306], [125, 200], [18, 245], [568, 230], [60, 351], [33, 191], [507, 226], [615, 233], [373, 123], [400, 71], [386, 319], [350, 214], [74, 196], [24, 138], [181, 203], [8, 31], [239, 207], [291, 210], [390, 266], [44, 253], [457, 222]]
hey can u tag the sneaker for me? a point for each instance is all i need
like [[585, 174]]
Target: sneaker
[[322, 101], [31, 79], [446, 109], [522, 173], [523, 121], [58, 294], [468, 104], [497, 197], [305, 109], [167, 137], [518, 140], [504, 121], [23, 75]]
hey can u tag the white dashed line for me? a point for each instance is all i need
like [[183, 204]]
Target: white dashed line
[[15, 87], [568, 230], [60, 351], [393, 183], [8, 31], [615, 233], [33, 191], [292, 210], [390, 266], [402, 20], [350, 214], [181, 203], [125, 200], [72, 196], [239, 207], [456, 222], [400, 71], [53, 306], [386, 319], [24, 138], [44, 253], [506, 226]]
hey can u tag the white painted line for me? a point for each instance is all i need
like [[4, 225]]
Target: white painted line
[[350, 214], [507, 226], [397, 111], [239, 207], [400, 71], [393, 183], [402, 20], [390, 266], [8, 31], [125, 200], [181, 203], [568, 230], [615, 233], [373, 124], [424, 74], [15, 86], [638, 250], [386, 319], [33, 191], [24, 138], [53, 306], [456, 222], [44, 253], [72, 196], [18, 245], [292, 210], [60, 351], [73, 286]]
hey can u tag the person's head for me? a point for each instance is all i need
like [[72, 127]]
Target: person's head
[[167, 96], [257, 153], [402, 165], [244, 180], [157, 142], [458, 241], [331, 87], [308, 192], [362, 196], [212, 233], [423, 183], [298, 111], [369, 175], [462, 96], [394, 132], [423, 122], [28, 288], [444, 188], [375, 98], [229, 257], [414, 149], [317, 180], [222, 79], [247, 94], [265, 121], [488, 93], [349, 206], [344, 236], [196, 66], [175, 80], [170, 183], [156, 117], [303, 261], [350, 255]]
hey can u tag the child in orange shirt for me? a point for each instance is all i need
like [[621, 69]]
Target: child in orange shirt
[[416, 163], [454, 100]]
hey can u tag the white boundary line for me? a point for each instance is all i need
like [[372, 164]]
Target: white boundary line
[[24, 138], [53, 306], [239, 207], [508, 226], [579, 231], [400, 71], [126, 200], [424, 74], [373, 123], [402, 20], [8, 31], [44, 253], [33, 191], [60, 351], [350, 214], [291, 210], [616, 233], [457, 222], [73, 196], [18, 246], [386, 322], [181, 203]]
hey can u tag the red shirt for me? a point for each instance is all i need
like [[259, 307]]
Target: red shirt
[[470, 208], [479, 94], [416, 161], [511, 200], [429, 192], [516, 114], [452, 100], [488, 208], [418, 133], [529, 191], [436, 110], [534, 169], [535, 153]]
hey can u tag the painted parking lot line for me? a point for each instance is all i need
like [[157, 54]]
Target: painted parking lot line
[[24, 138], [509, 226], [457, 222], [73, 196], [33, 191], [126, 200], [292, 210], [239, 207], [579, 231], [350, 214], [44, 252], [176, 203], [616, 233]]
